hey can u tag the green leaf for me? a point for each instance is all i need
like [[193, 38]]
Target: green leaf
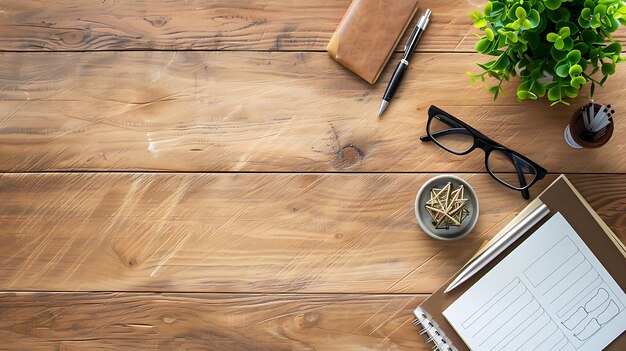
[[592, 89], [585, 13], [526, 23], [608, 68], [556, 54], [584, 23], [552, 37], [576, 82], [588, 36], [600, 10], [613, 49], [528, 90], [522, 94], [512, 37], [515, 25], [523, 90], [482, 45], [489, 34], [520, 12], [562, 70], [497, 7], [603, 80], [554, 94], [570, 92], [486, 66], [612, 24], [501, 63], [495, 53], [564, 32], [573, 56], [472, 77], [573, 28], [543, 23], [536, 73], [488, 7], [582, 47], [480, 23], [610, 10], [539, 89], [568, 44], [595, 22], [534, 18], [559, 44], [552, 4], [575, 70], [559, 14]]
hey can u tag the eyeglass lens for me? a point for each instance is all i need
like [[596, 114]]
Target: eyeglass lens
[[449, 134], [510, 169]]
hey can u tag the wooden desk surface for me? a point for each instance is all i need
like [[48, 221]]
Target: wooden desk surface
[[181, 175]]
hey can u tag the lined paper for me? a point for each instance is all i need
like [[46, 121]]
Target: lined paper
[[551, 293]]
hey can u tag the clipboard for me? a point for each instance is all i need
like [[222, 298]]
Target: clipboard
[[560, 196]]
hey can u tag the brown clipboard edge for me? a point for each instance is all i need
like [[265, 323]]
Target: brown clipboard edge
[[593, 213], [441, 301], [536, 203]]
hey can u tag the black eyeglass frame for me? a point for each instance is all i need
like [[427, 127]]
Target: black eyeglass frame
[[487, 145]]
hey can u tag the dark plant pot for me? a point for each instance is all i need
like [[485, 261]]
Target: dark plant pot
[[585, 138]]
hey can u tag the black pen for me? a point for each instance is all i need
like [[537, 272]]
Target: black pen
[[409, 48]]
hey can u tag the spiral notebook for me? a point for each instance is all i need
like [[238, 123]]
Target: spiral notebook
[[561, 287]]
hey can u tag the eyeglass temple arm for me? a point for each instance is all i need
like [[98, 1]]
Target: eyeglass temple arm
[[444, 132], [520, 176]]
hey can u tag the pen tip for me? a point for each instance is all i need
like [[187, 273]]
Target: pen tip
[[383, 106]]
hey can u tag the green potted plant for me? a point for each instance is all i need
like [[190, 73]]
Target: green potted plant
[[555, 46]]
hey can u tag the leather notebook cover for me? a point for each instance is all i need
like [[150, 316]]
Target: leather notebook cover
[[368, 34], [560, 196]]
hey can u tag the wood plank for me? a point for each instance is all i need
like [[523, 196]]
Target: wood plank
[[67, 321], [59, 25], [332, 233], [198, 111]]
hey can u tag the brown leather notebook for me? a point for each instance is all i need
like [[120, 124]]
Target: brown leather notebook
[[368, 33], [561, 197]]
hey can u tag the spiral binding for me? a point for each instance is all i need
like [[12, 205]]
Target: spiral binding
[[431, 330]]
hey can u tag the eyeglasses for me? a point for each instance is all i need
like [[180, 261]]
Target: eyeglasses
[[505, 165]]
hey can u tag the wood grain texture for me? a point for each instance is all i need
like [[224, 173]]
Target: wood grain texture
[[348, 233], [59, 25], [294, 112], [112, 321], [241, 261]]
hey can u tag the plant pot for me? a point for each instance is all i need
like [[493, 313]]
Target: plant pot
[[545, 79]]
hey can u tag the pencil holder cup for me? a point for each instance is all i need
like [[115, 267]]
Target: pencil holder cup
[[578, 137]]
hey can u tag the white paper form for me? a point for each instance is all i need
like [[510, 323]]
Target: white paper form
[[550, 293]]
